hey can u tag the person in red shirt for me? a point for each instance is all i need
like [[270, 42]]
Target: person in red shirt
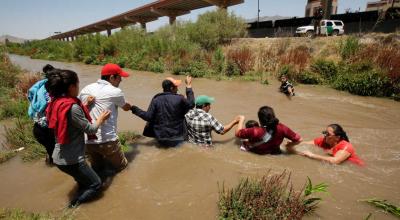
[[336, 143], [267, 138]]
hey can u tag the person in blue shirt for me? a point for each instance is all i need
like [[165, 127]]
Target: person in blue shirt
[[38, 98]]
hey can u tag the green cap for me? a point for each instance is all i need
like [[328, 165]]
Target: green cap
[[203, 99]]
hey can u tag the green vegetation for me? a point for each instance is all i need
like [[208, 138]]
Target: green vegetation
[[171, 48], [272, 197], [19, 214], [127, 137], [386, 206], [205, 49], [13, 104]]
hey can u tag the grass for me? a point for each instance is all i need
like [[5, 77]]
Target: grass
[[21, 136], [127, 137], [385, 205], [271, 197], [19, 214]]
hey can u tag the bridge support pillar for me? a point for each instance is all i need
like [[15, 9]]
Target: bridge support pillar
[[143, 25], [108, 32], [172, 20]]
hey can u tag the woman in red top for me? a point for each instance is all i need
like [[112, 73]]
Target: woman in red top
[[337, 144], [267, 138]]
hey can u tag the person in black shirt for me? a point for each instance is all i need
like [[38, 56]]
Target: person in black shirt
[[286, 87]]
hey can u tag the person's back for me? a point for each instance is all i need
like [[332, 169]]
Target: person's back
[[106, 149], [169, 118], [268, 138], [107, 97], [256, 134], [201, 123], [165, 114]]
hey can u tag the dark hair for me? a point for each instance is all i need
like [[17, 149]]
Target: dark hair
[[203, 105], [338, 131], [107, 77], [167, 85], [266, 116], [47, 69], [59, 81], [251, 123]]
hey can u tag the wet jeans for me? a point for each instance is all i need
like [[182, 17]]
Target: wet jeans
[[88, 181], [46, 138]]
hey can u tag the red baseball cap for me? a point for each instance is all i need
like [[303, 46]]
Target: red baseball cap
[[111, 69]]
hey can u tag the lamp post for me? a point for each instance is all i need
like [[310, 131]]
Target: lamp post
[[258, 13]]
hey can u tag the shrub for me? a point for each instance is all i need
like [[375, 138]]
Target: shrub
[[198, 69], [327, 69], [349, 47], [308, 77], [272, 197], [367, 82], [156, 66], [243, 58], [216, 27], [218, 61], [232, 69], [298, 57]]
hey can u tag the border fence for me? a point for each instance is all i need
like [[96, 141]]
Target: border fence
[[354, 23]]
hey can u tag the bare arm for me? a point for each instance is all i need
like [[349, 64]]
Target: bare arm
[[229, 126], [240, 125], [340, 156], [290, 145]]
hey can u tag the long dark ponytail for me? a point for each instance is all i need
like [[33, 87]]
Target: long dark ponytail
[[338, 131], [266, 116]]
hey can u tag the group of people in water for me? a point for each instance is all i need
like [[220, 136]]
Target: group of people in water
[[63, 114]]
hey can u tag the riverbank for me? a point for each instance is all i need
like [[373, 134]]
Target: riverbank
[[214, 47]]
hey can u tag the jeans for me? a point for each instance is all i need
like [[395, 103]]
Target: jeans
[[109, 152], [88, 181], [46, 138]]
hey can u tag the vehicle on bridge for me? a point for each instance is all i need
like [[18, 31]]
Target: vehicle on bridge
[[328, 27]]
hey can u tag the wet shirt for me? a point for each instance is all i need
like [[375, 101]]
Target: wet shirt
[[256, 134], [342, 145], [107, 97], [285, 86], [200, 124]]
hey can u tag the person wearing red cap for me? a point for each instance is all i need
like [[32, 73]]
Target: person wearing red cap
[[106, 149], [166, 113]]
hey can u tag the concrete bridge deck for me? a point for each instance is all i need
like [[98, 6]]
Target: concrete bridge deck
[[145, 14]]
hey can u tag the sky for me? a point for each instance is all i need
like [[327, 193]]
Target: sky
[[38, 19]]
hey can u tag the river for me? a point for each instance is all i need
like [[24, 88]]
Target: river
[[183, 183]]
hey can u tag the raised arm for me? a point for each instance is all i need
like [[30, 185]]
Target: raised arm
[[189, 101]]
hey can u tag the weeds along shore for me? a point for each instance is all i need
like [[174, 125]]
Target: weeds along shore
[[215, 47]]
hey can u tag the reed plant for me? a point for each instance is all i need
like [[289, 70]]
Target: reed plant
[[385, 205], [271, 197]]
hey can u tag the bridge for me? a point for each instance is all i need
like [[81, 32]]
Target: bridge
[[145, 14]]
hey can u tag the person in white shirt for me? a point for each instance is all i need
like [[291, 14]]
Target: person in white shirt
[[106, 148]]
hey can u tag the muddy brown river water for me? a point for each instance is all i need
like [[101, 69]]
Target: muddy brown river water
[[182, 183]]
